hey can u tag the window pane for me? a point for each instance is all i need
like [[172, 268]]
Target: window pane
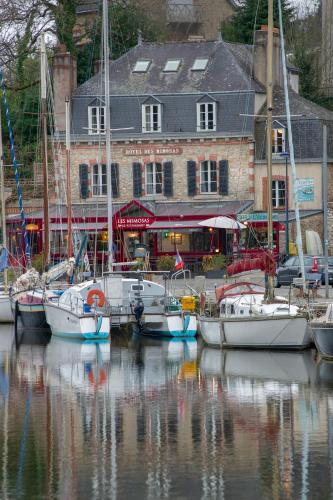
[[141, 66], [172, 65], [155, 117], [95, 180], [102, 118], [200, 64], [94, 120], [148, 122], [104, 180], [158, 178], [150, 178], [204, 177]]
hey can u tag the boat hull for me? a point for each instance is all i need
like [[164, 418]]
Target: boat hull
[[68, 324], [6, 315], [280, 332], [323, 338], [170, 325], [32, 315]]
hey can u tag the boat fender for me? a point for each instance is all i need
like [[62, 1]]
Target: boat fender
[[138, 310], [187, 318], [96, 293], [101, 377]]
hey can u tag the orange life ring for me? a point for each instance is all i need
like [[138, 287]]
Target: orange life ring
[[96, 293], [101, 377]]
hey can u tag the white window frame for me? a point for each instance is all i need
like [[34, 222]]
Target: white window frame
[[99, 189], [203, 122], [148, 126], [278, 144], [154, 184], [275, 191], [141, 66], [210, 179], [172, 66], [95, 130]]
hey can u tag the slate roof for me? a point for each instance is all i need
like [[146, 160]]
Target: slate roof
[[224, 72], [299, 106]]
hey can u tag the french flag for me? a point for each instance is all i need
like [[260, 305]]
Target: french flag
[[179, 261]]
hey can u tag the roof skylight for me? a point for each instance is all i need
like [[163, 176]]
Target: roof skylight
[[172, 65], [141, 66], [200, 64]]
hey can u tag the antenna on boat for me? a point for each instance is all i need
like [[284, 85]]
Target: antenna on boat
[[107, 128], [3, 207]]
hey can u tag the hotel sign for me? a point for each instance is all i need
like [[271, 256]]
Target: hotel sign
[[134, 222], [152, 150]]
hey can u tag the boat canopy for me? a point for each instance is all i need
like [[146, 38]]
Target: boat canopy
[[241, 288]]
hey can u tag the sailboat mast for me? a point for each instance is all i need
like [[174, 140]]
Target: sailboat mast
[[44, 151], [269, 93], [107, 128], [68, 182], [299, 243], [3, 206]]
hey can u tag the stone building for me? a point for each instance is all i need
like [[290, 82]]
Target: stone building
[[178, 19], [188, 143]]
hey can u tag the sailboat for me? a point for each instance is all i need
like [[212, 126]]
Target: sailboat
[[246, 317], [5, 309]]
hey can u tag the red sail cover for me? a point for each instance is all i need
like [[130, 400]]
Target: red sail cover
[[265, 263]]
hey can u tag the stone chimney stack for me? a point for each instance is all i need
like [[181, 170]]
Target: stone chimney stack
[[64, 82], [260, 56]]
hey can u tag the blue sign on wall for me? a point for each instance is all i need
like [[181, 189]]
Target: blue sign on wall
[[305, 189]]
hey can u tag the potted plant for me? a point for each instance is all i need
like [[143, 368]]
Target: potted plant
[[214, 265], [165, 263]]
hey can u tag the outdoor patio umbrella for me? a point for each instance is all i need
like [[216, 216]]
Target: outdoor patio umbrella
[[222, 222]]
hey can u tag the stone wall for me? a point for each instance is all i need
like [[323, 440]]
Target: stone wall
[[239, 154]]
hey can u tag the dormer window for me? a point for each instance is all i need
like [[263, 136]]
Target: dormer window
[[206, 116], [141, 66], [278, 140], [151, 118], [200, 64], [172, 65], [96, 120]]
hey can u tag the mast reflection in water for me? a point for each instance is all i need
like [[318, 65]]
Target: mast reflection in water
[[142, 418]]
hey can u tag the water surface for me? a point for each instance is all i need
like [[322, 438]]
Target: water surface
[[141, 418]]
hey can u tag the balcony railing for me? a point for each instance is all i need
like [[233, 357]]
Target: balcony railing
[[183, 13]]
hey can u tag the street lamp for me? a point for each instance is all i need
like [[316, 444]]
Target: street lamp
[[286, 155]]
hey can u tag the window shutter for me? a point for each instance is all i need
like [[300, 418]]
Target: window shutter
[[224, 177], [191, 178], [83, 176], [137, 181], [115, 179], [168, 178]]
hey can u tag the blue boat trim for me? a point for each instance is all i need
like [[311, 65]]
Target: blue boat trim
[[87, 336]]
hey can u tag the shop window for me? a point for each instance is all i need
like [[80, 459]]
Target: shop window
[[255, 238], [208, 177], [151, 118], [206, 116], [96, 119], [153, 178], [99, 180], [278, 140], [278, 193]]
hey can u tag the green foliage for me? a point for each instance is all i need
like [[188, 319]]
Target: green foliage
[[125, 24], [250, 16], [214, 262], [138, 266], [165, 263], [38, 262], [64, 13]]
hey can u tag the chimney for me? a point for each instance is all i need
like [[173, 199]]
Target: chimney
[[260, 56], [64, 82]]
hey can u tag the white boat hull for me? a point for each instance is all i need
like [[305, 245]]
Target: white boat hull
[[6, 315], [171, 325], [281, 332], [69, 324]]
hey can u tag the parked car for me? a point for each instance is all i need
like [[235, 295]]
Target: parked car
[[291, 269]]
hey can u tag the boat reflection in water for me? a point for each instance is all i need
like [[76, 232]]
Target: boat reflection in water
[[149, 418]]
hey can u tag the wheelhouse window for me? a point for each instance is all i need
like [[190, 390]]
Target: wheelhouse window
[[206, 116], [208, 177], [278, 140], [278, 193], [151, 118], [153, 178], [99, 180], [96, 120]]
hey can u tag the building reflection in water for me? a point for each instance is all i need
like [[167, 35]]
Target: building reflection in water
[[143, 418]]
